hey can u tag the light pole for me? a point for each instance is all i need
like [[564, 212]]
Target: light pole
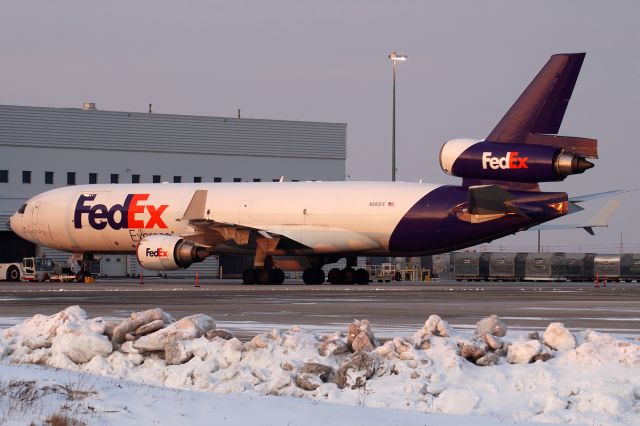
[[395, 57]]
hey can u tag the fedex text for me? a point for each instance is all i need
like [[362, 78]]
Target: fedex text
[[119, 216], [510, 161]]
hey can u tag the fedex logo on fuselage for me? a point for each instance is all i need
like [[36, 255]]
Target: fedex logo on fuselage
[[510, 161], [119, 216]]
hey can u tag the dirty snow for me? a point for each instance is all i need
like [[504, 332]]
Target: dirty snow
[[406, 380]]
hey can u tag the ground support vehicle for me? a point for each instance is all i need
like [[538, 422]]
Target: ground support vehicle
[[31, 269]]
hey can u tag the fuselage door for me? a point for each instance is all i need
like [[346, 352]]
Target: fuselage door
[[244, 214], [35, 210]]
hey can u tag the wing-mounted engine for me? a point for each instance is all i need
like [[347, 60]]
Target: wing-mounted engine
[[511, 162], [166, 252]]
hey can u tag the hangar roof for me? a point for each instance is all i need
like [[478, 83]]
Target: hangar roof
[[75, 128]]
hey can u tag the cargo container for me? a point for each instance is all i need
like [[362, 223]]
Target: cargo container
[[507, 266], [630, 267], [545, 267], [607, 267], [470, 266], [575, 268]]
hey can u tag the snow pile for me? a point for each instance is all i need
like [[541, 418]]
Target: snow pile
[[594, 380]]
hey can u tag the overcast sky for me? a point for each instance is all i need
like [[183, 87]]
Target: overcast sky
[[327, 61]]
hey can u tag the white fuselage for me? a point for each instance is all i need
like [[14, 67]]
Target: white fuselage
[[328, 217]]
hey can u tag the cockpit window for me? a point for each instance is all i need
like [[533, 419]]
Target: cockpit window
[[22, 209]]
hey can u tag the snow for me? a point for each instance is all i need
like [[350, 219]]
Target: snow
[[406, 380]]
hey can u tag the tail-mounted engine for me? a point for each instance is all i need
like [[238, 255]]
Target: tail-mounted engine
[[469, 158], [166, 252]]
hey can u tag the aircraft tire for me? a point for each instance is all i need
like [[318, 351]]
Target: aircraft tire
[[312, 276], [335, 276], [348, 275], [277, 276], [13, 273], [307, 276], [249, 276], [362, 277], [264, 276]]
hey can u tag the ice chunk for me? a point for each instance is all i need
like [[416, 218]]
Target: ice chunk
[[491, 325], [190, 327], [38, 331], [523, 351], [137, 320], [81, 347], [556, 336], [434, 325]]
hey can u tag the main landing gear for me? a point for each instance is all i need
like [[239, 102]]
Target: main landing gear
[[348, 275], [264, 272], [313, 276], [263, 276]]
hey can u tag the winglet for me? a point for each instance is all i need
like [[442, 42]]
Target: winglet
[[195, 209]]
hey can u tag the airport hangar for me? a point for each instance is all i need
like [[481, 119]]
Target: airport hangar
[[42, 148]]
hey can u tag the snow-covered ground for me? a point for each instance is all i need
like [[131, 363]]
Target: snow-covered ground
[[150, 368]]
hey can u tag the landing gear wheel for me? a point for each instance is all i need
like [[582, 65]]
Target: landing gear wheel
[[335, 276], [348, 275], [362, 277], [278, 276], [13, 274], [319, 275], [249, 276], [313, 276], [263, 276], [307, 276]]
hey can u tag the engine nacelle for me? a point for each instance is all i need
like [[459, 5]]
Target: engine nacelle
[[475, 159], [166, 253]]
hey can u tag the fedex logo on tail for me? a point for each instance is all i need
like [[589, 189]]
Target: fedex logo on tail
[[510, 161], [119, 216]]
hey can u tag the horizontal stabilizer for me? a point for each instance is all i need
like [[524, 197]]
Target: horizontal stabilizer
[[599, 220], [584, 147], [490, 200], [589, 197]]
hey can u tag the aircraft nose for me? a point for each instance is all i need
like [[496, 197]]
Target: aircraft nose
[[14, 223]]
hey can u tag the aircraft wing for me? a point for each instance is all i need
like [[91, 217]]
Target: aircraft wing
[[589, 197], [320, 239], [599, 220]]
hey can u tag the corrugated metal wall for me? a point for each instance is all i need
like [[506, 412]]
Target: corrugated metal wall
[[74, 128]]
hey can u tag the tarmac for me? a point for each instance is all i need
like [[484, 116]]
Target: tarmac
[[399, 308]]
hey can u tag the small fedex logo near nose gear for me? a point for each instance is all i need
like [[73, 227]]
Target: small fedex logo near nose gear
[[510, 161], [159, 252], [119, 216]]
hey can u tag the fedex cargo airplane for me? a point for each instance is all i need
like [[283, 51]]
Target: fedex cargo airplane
[[305, 225]]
